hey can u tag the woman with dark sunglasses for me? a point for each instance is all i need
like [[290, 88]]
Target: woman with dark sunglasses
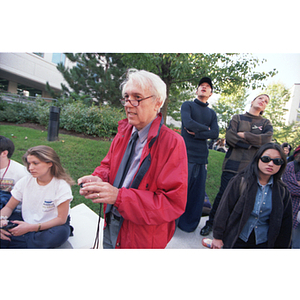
[[256, 209]]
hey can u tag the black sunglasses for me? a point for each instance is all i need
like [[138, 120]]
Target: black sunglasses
[[277, 161]]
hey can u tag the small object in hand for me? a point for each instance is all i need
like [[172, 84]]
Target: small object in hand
[[207, 242], [81, 185], [9, 225]]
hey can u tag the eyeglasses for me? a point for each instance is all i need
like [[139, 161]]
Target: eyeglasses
[[134, 102], [277, 161]]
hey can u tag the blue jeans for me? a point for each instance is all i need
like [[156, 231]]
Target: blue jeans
[[250, 244], [4, 197], [45, 239], [196, 193]]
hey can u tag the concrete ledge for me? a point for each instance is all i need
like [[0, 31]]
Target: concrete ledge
[[85, 222]]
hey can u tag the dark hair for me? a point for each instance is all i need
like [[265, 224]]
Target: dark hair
[[252, 168], [297, 157], [207, 80], [287, 145], [6, 144]]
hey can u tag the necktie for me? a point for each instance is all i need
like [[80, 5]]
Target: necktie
[[125, 164]]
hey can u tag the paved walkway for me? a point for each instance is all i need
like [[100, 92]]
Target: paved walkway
[[189, 240], [84, 221]]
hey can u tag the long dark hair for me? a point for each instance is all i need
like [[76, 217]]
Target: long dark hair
[[252, 169]]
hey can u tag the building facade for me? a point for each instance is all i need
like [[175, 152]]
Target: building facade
[[27, 73], [293, 105]]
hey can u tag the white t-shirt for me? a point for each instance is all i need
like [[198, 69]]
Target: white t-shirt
[[39, 203], [14, 173]]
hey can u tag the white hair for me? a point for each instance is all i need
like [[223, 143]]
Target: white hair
[[146, 80]]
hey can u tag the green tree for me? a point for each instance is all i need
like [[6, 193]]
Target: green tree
[[275, 112], [96, 75], [230, 105], [182, 71], [99, 74]]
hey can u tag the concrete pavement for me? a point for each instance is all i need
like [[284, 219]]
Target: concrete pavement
[[189, 240], [84, 221]]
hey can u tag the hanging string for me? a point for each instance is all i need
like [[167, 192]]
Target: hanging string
[[5, 172], [96, 242]]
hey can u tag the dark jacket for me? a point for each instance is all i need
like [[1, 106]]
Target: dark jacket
[[234, 211], [258, 131], [197, 117]]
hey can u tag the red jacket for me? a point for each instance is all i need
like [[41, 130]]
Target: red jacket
[[150, 211]]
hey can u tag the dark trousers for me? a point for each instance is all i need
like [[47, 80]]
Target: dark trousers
[[111, 231], [250, 244], [225, 178], [196, 193], [45, 239]]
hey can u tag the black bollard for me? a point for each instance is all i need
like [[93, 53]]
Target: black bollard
[[53, 123]]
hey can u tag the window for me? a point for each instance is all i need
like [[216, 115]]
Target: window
[[28, 91], [3, 84], [58, 58], [39, 54]]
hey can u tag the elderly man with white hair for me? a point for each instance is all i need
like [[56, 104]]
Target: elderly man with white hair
[[142, 183]]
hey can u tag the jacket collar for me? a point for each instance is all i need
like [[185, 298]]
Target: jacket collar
[[201, 103], [125, 127]]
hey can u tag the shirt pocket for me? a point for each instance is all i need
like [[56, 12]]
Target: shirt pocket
[[48, 205]]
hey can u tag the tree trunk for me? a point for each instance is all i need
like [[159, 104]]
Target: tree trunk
[[164, 109]]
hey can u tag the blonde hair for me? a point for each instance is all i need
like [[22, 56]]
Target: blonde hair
[[47, 154]]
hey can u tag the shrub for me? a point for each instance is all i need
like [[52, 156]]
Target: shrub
[[18, 112], [94, 120]]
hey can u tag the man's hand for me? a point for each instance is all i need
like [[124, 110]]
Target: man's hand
[[189, 132], [100, 192], [87, 179]]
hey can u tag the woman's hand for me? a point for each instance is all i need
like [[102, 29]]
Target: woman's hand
[[4, 235], [241, 134], [100, 192], [217, 244], [3, 222], [22, 228]]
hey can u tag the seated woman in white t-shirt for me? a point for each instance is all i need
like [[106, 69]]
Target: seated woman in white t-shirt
[[45, 195]]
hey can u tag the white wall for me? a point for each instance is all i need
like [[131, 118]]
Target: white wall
[[33, 67], [293, 104]]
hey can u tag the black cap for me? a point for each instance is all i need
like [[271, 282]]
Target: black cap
[[207, 80]]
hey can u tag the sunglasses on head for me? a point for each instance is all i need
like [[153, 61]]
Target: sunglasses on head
[[276, 161]]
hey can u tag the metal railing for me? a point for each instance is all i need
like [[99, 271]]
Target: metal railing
[[12, 98]]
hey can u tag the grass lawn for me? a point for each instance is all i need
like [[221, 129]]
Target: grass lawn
[[80, 156]]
